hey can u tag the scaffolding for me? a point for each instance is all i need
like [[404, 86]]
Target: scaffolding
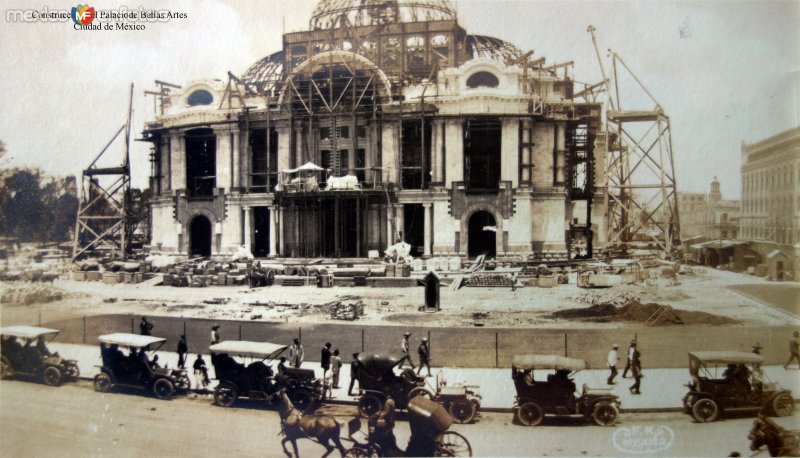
[[101, 225], [639, 168]]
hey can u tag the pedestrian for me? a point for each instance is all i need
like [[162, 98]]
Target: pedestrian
[[282, 365], [215, 338], [296, 353], [201, 372], [183, 348], [794, 350], [612, 364], [336, 365], [636, 370], [424, 356], [145, 327], [631, 349], [404, 350], [355, 366], [325, 359]]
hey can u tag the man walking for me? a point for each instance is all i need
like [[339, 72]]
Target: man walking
[[296, 353], [325, 359], [201, 372], [336, 365], [215, 339], [355, 366], [636, 370], [404, 350], [424, 356], [631, 349], [183, 348], [145, 327], [794, 350], [612, 364]]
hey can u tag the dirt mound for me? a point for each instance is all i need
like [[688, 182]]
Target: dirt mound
[[32, 294], [636, 312]]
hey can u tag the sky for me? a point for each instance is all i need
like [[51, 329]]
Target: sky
[[724, 72]]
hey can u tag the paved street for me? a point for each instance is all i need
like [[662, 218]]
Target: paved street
[[37, 420], [784, 297]]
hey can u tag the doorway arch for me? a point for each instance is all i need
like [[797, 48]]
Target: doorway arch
[[482, 235], [200, 237]]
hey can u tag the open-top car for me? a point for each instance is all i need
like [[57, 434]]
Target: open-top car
[[254, 378], [25, 353], [138, 368], [556, 395], [725, 381]]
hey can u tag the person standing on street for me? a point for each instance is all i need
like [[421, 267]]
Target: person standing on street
[[636, 369], [612, 364], [336, 365], [424, 356], [631, 349], [355, 366], [201, 372], [794, 350], [145, 327], [215, 339], [183, 348], [325, 359], [296, 353], [404, 350]]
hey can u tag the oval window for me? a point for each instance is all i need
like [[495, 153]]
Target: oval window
[[482, 79], [200, 97]]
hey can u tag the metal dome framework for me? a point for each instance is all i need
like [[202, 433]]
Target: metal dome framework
[[356, 13]]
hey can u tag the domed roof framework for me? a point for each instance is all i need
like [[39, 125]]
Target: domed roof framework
[[355, 13]]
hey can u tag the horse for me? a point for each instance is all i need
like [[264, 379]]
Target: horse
[[779, 441], [321, 428]]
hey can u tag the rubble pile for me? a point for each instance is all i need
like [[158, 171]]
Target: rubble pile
[[652, 314], [32, 294]]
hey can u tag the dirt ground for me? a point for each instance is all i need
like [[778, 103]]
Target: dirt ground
[[703, 290]]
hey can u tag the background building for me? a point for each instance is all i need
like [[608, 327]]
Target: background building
[[708, 215]]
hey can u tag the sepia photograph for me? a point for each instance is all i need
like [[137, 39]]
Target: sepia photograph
[[490, 228]]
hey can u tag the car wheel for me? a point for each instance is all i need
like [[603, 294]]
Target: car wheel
[[102, 382], [369, 404], [705, 410], [52, 376], [302, 400], [605, 414], [782, 405], [163, 388], [455, 444], [5, 369], [420, 391], [462, 410], [530, 414], [225, 394]]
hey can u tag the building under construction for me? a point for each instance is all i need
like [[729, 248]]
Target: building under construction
[[385, 121]]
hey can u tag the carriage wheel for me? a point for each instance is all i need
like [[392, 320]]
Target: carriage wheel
[[163, 388], [302, 399], [705, 410], [605, 414], [420, 391], [369, 404], [5, 369], [782, 405], [102, 382], [454, 443], [530, 414], [462, 410], [52, 376], [225, 394]]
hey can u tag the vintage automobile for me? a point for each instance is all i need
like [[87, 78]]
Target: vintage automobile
[[726, 381], [257, 380], [25, 354], [137, 370], [430, 435], [556, 395], [377, 380]]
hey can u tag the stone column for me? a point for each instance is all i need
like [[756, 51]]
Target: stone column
[[390, 232], [400, 220], [236, 162], [273, 231], [177, 165], [248, 233], [428, 229], [282, 244]]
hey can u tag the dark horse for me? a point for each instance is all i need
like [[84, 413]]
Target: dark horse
[[779, 441], [295, 425]]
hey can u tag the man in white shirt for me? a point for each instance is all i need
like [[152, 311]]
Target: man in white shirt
[[612, 364], [296, 353]]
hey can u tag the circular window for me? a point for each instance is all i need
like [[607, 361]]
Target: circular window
[[200, 97], [482, 79]]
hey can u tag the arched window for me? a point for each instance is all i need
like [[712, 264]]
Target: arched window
[[200, 97], [482, 79]]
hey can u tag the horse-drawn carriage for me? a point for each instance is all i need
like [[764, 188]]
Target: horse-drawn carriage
[[740, 386], [257, 380], [137, 369], [377, 380], [556, 395], [25, 353]]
